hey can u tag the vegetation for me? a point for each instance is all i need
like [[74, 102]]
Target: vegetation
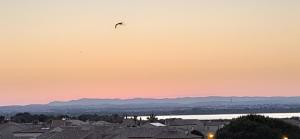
[[2, 119], [36, 118], [152, 118], [30, 118], [258, 127], [115, 118]]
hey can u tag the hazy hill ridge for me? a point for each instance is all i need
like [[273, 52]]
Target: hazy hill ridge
[[183, 101], [151, 105]]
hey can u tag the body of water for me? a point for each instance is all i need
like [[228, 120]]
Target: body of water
[[224, 116]]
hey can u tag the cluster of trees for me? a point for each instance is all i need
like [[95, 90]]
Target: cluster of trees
[[115, 118], [36, 118], [258, 127], [2, 119], [152, 118]]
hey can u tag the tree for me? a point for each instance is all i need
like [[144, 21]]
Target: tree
[[23, 118], [2, 119], [43, 118], [152, 118], [115, 118], [258, 127], [29, 118]]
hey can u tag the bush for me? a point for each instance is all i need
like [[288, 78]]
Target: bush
[[258, 127]]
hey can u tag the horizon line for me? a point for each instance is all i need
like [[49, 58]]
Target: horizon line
[[158, 98]]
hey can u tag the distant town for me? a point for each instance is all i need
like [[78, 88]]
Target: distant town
[[143, 119], [87, 126]]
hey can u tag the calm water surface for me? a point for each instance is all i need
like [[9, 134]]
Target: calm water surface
[[224, 116]]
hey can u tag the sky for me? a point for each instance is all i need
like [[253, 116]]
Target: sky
[[68, 49]]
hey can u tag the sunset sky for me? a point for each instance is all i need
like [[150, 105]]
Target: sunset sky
[[68, 49]]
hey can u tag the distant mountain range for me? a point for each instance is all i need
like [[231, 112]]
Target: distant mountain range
[[187, 105]]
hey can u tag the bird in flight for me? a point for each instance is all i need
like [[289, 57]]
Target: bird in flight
[[119, 24]]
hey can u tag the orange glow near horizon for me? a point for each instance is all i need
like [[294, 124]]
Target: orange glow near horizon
[[69, 49]]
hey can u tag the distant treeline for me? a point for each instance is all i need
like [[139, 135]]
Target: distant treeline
[[145, 111], [114, 118], [37, 118]]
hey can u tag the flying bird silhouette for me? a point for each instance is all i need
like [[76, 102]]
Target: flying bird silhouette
[[119, 24]]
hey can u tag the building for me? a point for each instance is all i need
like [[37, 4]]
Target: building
[[32, 133], [67, 133], [153, 133], [187, 124], [7, 129]]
